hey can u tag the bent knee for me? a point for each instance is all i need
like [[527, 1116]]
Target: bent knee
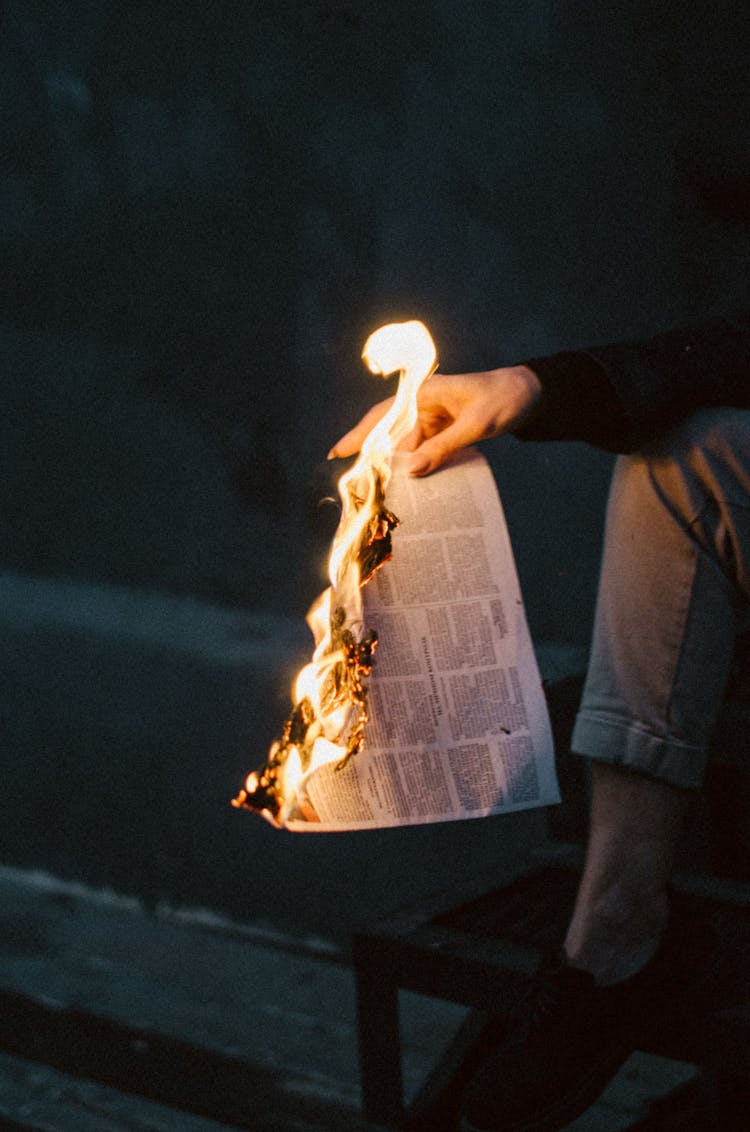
[[705, 456], [719, 432]]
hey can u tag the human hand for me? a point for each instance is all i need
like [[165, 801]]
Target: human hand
[[454, 411]]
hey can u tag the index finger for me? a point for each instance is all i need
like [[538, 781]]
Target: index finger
[[352, 441]]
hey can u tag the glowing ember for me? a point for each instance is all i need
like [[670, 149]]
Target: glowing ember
[[327, 722]]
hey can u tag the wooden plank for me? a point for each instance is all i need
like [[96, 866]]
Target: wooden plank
[[170, 1072], [35, 1097], [207, 988], [161, 1002], [108, 959]]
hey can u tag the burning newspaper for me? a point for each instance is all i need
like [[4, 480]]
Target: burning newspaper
[[448, 721]]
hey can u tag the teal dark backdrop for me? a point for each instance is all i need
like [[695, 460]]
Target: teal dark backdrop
[[204, 210]]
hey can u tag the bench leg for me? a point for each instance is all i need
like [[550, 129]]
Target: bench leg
[[380, 1049], [732, 1103]]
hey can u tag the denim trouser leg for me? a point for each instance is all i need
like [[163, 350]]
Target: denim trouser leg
[[674, 589]]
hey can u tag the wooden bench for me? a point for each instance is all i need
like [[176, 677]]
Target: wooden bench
[[479, 954]]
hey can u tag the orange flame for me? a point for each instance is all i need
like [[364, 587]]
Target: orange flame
[[329, 716]]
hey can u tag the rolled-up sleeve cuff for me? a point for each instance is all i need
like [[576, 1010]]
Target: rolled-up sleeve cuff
[[622, 744]]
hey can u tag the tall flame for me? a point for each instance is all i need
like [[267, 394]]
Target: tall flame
[[329, 716]]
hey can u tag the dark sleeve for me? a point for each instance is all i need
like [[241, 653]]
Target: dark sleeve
[[619, 396]]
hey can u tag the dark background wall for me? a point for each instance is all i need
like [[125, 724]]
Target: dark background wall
[[204, 210]]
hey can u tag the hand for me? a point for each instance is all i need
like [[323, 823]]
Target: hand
[[455, 410]]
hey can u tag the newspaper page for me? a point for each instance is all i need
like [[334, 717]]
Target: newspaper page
[[458, 718]]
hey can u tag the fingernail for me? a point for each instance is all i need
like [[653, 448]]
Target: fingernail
[[331, 455], [418, 466]]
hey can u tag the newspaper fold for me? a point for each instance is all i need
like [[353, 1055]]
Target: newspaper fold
[[458, 718]]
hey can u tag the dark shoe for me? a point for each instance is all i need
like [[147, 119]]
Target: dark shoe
[[565, 1042], [566, 1039]]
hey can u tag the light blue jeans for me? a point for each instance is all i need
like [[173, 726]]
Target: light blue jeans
[[673, 594]]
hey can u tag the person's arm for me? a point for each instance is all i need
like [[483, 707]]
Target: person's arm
[[620, 395], [615, 397], [454, 411]]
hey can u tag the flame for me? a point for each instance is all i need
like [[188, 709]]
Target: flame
[[328, 720]]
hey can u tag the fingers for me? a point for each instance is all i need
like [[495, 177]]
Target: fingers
[[470, 408], [447, 421], [455, 411], [432, 453]]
